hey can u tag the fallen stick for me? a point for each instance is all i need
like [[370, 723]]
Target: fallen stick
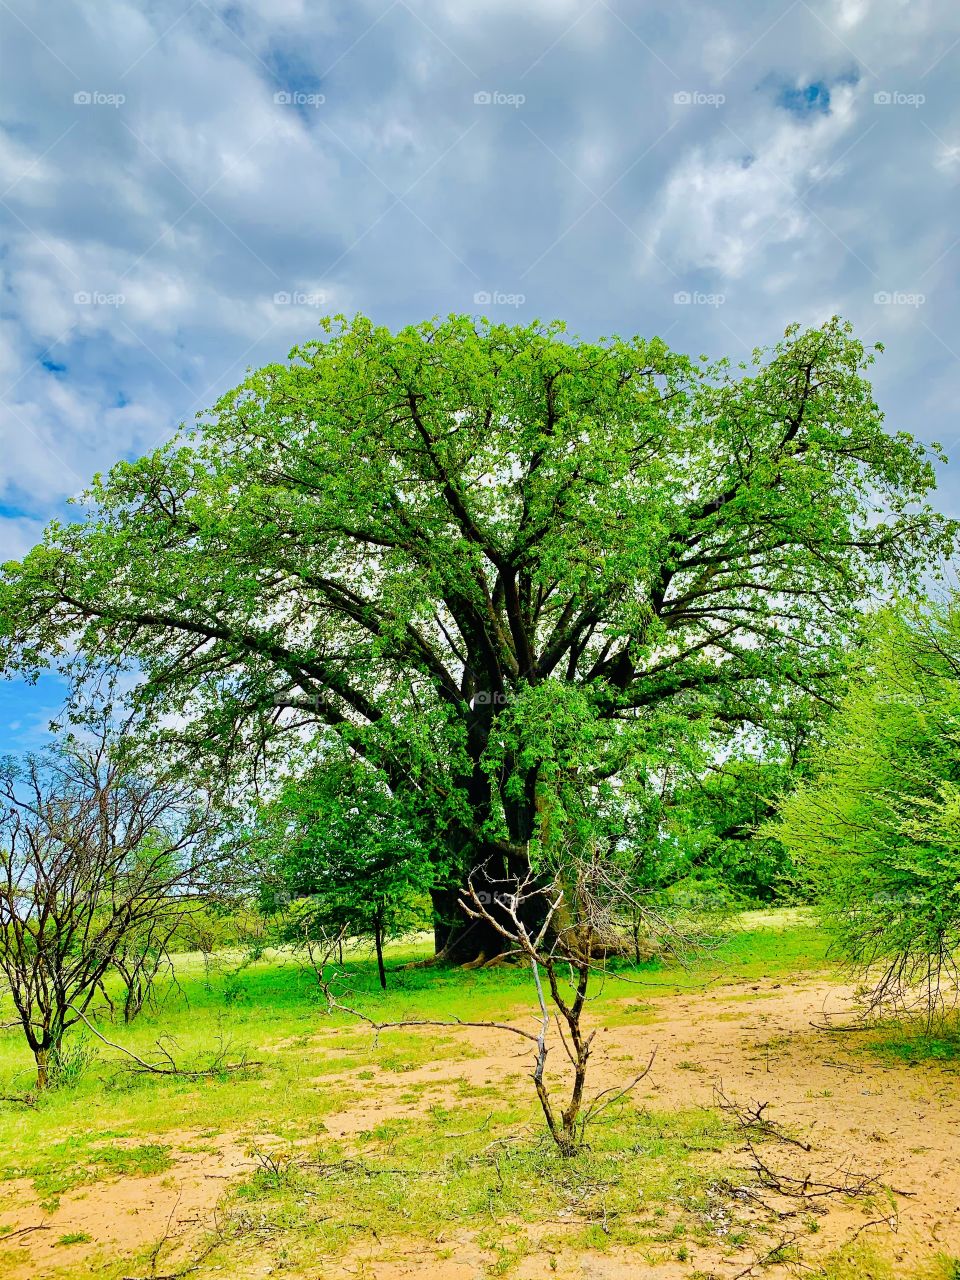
[[173, 1069], [819, 1026], [24, 1231]]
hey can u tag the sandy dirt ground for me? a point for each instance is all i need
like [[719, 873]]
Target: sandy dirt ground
[[897, 1123]]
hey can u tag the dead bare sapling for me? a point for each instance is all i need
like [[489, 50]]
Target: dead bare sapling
[[577, 928], [565, 953]]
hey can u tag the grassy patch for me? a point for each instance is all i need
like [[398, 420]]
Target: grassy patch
[[863, 1262], [648, 1179], [306, 1053], [76, 1162], [910, 1044]]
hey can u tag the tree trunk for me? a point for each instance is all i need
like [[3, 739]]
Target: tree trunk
[[378, 943], [42, 1057], [133, 1001], [460, 940], [457, 939]]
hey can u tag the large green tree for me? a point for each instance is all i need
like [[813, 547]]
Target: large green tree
[[490, 560]]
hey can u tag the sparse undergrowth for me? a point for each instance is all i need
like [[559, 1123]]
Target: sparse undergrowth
[[79, 1163], [649, 1180], [865, 1262]]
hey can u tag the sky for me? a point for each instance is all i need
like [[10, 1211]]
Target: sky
[[186, 187]]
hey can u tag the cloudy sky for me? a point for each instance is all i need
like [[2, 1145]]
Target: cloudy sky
[[187, 186]]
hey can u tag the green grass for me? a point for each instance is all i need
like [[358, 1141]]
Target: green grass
[[80, 1159], [910, 1044], [864, 1262], [646, 1179], [273, 1015]]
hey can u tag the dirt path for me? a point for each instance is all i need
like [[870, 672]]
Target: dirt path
[[898, 1123], [123, 1216]]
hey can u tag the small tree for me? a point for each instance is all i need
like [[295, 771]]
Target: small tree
[[92, 852], [877, 829], [354, 862], [144, 956], [589, 906], [563, 955]]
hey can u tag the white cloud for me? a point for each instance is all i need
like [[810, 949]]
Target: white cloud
[[789, 215], [17, 535], [725, 205]]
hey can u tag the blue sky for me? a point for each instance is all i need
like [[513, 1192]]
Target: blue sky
[[186, 187]]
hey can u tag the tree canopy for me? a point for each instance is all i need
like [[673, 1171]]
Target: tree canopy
[[720, 814], [489, 559]]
